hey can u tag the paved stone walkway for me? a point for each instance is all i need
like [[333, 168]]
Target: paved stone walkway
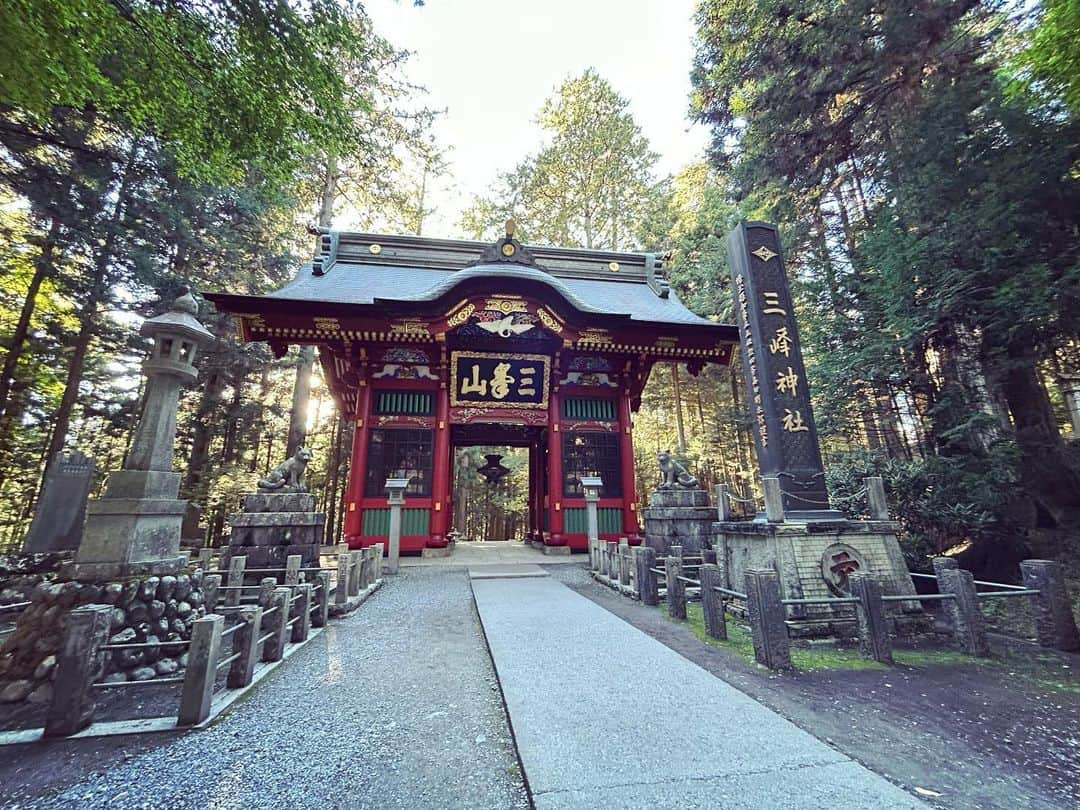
[[394, 706], [501, 552], [605, 716]]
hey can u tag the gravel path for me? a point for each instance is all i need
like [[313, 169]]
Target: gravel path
[[394, 706]]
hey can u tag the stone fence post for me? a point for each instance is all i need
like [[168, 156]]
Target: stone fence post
[[723, 503], [355, 560], [624, 562], [235, 582], [322, 599], [341, 591], [766, 612], [676, 588], [78, 663], [774, 499], [198, 687], [292, 569], [875, 498], [969, 629], [712, 603], [211, 589], [246, 644], [611, 560], [874, 640], [302, 610], [1055, 626], [266, 591], [644, 563], [277, 625]]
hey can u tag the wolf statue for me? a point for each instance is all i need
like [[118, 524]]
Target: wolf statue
[[673, 475], [289, 474]]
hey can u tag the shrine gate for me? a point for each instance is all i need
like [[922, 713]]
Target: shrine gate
[[433, 344]]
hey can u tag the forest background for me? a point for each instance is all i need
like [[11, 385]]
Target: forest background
[[920, 156]]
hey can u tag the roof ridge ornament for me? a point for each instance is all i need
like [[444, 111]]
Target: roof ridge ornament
[[507, 250], [326, 249]]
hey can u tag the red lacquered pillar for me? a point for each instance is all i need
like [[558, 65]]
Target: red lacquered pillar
[[555, 474], [441, 461], [626, 461], [358, 465]]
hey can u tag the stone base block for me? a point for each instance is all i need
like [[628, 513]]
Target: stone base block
[[445, 551], [130, 535], [557, 551], [679, 498], [814, 561], [279, 502], [155, 484], [686, 526], [97, 572]]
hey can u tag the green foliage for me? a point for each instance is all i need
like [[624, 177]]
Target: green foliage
[[590, 185], [940, 502], [219, 84], [1052, 55]]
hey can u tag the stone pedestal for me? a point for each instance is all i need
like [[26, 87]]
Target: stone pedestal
[[274, 526], [680, 517], [814, 561], [134, 529]]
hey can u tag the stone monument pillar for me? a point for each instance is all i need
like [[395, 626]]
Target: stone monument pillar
[[135, 528], [61, 511], [678, 513], [812, 547]]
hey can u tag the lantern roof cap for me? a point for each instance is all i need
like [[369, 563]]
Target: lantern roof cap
[[180, 319]]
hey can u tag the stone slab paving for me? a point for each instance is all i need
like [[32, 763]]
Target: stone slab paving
[[394, 706], [605, 716], [501, 552], [506, 571]]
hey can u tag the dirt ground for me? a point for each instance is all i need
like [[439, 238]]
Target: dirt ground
[[1004, 733]]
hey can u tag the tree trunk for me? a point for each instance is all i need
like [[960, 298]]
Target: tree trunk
[[680, 431], [43, 268], [202, 428], [300, 398], [89, 314], [1050, 477]]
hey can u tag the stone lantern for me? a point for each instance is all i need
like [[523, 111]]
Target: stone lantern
[[395, 499], [135, 528], [590, 485]]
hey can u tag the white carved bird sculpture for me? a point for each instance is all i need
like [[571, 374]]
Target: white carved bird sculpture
[[505, 327]]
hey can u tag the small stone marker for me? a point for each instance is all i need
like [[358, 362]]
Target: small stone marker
[[58, 520]]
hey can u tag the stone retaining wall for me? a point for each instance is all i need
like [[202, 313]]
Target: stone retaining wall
[[145, 609]]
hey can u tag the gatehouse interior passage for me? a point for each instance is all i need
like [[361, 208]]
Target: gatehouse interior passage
[[433, 345]]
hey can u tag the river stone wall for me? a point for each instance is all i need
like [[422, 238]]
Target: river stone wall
[[145, 609]]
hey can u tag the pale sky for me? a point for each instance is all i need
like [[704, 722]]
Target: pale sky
[[492, 63]]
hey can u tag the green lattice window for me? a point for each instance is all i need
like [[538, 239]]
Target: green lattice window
[[414, 522], [601, 410], [576, 520], [404, 403]]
